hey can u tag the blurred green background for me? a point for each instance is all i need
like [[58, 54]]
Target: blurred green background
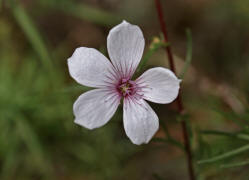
[[38, 139]]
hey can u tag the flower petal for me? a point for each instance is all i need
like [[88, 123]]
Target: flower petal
[[125, 44], [91, 68], [95, 108], [159, 85], [140, 121]]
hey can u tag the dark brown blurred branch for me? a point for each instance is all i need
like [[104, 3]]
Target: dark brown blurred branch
[[178, 100]]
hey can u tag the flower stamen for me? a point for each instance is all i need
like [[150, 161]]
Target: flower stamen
[[126, 87]]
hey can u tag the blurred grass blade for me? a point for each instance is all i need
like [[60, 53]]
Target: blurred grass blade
[[32, 34], [33, 144], [85, 12], [9, 163], [164, 128], [169, 138], [232, 116], [158, 139], [225, 155], [221, 133], [169, 141], [238, 164], [188, 55], [8, 166], [154, 46], [189, 129], [157, 177], [74, 88], [243, 136]]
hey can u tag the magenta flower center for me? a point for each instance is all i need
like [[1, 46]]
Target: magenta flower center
[[126, 87]]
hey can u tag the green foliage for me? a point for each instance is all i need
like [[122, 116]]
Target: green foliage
[[225, 155], [238, 135], [229, 148], [157, 177], [38, 138], [188, 54], [32, 34], [21, 99], [83, 11], [238, 164], [168, 139], [155, 45]]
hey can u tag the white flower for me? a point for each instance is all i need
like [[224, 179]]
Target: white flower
[[125, 44]]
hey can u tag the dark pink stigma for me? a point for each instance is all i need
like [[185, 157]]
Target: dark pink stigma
[[126, 87]]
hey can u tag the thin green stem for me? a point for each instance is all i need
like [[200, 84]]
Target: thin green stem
[[221, 133], [154, 46], [169, 141], [225, 155], [84, 11], [32, 34], [238, 164], [188, 54]]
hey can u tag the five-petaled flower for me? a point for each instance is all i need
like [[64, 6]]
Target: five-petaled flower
[[113, 82]]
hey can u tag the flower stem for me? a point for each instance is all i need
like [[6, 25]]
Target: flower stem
[[178, 99]]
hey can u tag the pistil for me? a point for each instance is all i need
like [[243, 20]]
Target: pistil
[[126, 87]]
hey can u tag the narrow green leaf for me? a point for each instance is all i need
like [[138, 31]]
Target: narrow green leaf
[[33, 35], [225, 155], [154, 46], [74, 88], [158, 139], [221, 133], [176, 143], [243, 136], [232, 116], [157, 177], [188, 54], [169, 141], [31, 140], [85, 12], [10, 160], [165, 128], [189, 128], [204, 149], [238, 164]]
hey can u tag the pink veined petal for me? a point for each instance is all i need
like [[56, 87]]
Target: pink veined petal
[[91, 68], [159, 85], [140, 121], [125, 44], [95, 108]]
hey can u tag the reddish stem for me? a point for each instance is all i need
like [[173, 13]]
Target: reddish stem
[[178, 99]]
